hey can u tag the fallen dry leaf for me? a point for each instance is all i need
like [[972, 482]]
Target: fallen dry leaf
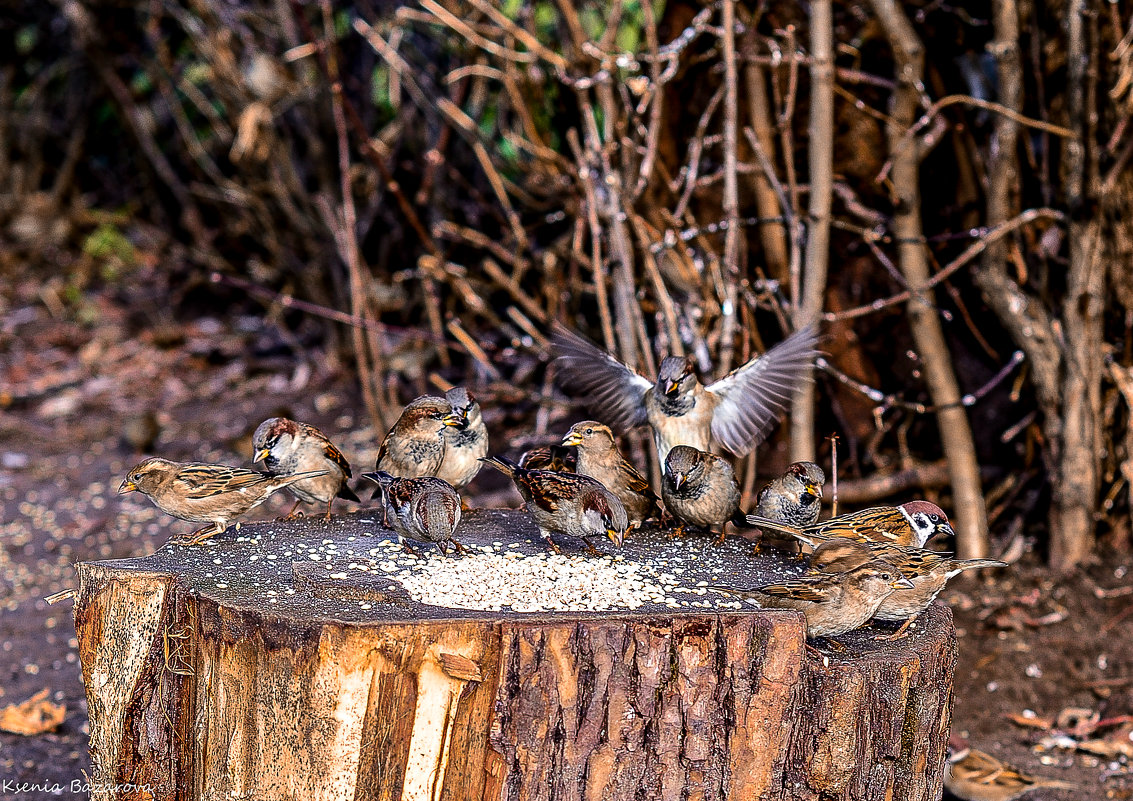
[[34, 716], [1031, 720]]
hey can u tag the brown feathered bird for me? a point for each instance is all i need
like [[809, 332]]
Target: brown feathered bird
[[833, 604], [794, 498], [737, 411], [928, 571], [465, 436], [568, 503], [424, 509], [699, 488], [912, 523], [415, 446], [599, 457], [204, 493], [287, 447]]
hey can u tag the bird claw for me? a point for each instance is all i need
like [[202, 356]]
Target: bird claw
[[903, 631], [200, 536]]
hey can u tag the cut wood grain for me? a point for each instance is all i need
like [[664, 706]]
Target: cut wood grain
[[249, 679]]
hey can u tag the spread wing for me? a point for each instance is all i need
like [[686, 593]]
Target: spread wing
[[206, 480], [753, 397], [614, 393]]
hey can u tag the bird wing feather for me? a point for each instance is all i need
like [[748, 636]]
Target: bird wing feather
[[203, 481], [754, 396], [614, 393], [332, 453]]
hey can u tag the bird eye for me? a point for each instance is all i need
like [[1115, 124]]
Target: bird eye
[[588, 431], [136, 477], [934, 518]]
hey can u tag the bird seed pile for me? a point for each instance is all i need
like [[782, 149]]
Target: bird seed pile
[[490, 580]]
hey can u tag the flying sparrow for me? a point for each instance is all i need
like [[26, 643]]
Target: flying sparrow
[[737, 411], [287, 447], [425, 509], [415, 446], [913, 523], [599, 457], [699, 488], [794, 498], [927, 570], [550, 457], [833, 604], [568, 503], [972, 775], [466, 438], [204, 493]]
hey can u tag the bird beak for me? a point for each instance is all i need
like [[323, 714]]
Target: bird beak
[[127, 486], [260, 455], [455, 420], [814, 490], [673, 387], [679, 480], [573, 438], [616, 537], [902, 584]]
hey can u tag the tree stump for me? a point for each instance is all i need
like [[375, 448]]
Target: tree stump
[[289, 661]]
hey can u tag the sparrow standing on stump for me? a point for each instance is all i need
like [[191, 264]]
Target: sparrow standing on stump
[[913, 523], [794, 498], [833, 604], [204, 493], [425, 509], [568, 503], [699, 488], [599, 458], [415, 446], [466, 438], [928, 571], [737, 411], [287, 447]]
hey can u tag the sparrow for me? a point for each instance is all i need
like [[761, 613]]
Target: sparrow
[[832, 604], [599, 457], [972, 775], [465, 436], [415, 446], [287, 447], [699, 488], [737, 411], [424, 509], [913, 523], [559, 458], [928, 571], [204, 493], [795, 497], [568, 503]]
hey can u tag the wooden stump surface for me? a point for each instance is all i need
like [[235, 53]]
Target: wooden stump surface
[[288, 660]]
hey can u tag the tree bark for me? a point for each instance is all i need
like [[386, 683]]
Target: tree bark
[[1076, 490], [821, 164], [203, 693]]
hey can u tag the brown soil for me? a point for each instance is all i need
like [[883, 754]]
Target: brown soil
[[81, 401]]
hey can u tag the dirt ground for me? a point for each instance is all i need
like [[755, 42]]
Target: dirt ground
[[86, 388]]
